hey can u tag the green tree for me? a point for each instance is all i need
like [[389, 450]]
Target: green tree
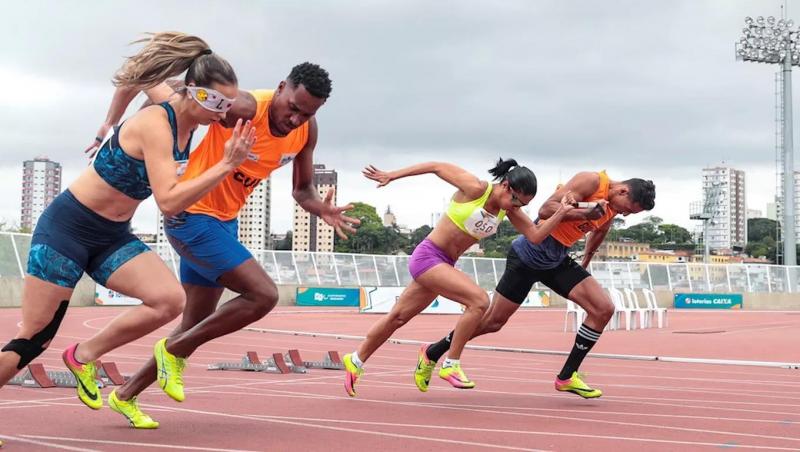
[[497, 245], [759, 228], [672, 233], [617, 225], [653, 231], [761, 238], [369, 232], [644, 232], [417, 236], [762, 248], [372, 236]]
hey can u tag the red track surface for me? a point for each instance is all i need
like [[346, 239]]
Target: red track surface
[[646, 406]]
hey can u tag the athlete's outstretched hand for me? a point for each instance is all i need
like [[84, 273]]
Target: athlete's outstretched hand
[[98, 140], [239, 145], [381, 177], [334, 216], [598, 211], [568, 201]]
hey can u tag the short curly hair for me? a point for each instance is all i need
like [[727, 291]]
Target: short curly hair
[[642, 192], [313, 77]]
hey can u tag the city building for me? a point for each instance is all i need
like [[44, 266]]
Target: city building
[[724, 194], [309, 232], [617, 251], [41, 183], [389, 219], [254, 232]]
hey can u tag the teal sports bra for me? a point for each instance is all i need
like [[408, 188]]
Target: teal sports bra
[[128, 174]]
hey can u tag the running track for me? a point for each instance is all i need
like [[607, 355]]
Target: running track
[[648, 405]]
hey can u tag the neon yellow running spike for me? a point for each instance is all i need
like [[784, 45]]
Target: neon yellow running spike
[[576, 385], [352, 374], [456, 377], [130, 409], [85, 376], [424, 370], [170, 371]]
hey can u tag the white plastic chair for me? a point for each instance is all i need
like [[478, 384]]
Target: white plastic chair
[[633, 303], [659, 313], [580, 314], [621, 308]]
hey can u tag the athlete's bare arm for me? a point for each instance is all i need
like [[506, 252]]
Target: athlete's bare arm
[[582, 185], [305, 193]]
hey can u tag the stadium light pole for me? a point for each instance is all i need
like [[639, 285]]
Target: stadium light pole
[[773, 41]]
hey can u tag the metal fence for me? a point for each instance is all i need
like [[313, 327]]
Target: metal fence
[[342, 269]]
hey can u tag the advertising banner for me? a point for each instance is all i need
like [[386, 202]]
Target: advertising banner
[[328, 296], [708, 301], [107, 297], [382, 299]]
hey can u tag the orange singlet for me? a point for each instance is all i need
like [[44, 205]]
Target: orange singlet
[[569, 232], [269, 152]]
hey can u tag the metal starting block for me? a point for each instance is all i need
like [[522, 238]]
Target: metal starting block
[[251, 362], [330, 360], [36, 376], [290, 362], [110, 374], [294, 362]]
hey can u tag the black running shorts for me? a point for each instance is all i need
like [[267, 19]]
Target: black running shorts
[[519, 278]]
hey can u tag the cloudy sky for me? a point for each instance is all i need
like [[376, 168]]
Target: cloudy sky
[[641, 88]]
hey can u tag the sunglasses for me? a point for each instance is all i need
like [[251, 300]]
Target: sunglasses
[[515, 201], [210, 99]]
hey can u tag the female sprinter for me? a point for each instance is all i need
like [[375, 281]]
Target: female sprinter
[[474, 213], [87, 227]]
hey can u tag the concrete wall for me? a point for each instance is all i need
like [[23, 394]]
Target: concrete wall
[[11, 296]]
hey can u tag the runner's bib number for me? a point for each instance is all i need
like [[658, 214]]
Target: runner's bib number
[[481, 224]]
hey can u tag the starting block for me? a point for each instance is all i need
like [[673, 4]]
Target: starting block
[[331, 361], [36, 376], [110, 374], [294, 362], [251, 362]]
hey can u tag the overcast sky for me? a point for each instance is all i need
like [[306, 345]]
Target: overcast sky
[[645, 89]]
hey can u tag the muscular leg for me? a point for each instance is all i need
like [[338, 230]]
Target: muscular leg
[[414, 299], [589, 295], [496, 316], [40, 301], [258, 295], [457, 286], [201, 301], [147, 278]]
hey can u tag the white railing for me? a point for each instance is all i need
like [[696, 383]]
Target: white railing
[[342, 269]]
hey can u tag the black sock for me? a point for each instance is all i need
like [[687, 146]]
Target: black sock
[[437, 349], [584, 341]]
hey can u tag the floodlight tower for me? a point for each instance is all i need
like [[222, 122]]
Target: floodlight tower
[[773, 41]]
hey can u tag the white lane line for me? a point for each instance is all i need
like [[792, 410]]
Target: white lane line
[[16, 439], [518, 432], [128, 443]]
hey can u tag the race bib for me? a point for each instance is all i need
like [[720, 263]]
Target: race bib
[[481, 224]]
